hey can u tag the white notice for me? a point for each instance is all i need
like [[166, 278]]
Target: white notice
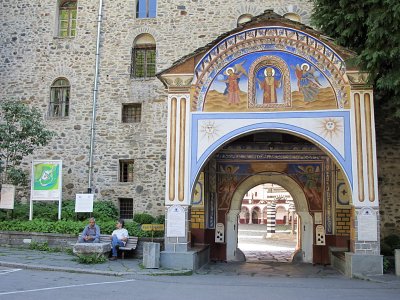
[[176, 221], [7, 196], [367, 225], [84, 203]]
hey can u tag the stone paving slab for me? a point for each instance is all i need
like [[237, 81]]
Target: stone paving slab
[[61, 261]]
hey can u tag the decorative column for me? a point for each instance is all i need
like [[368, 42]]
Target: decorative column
[[364, 257], [271, 216], [177, 195]]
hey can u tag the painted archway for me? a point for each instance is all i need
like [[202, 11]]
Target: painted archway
[[271, 74], [306, 240]]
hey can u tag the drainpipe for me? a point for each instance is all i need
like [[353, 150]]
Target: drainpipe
[[95, 89]]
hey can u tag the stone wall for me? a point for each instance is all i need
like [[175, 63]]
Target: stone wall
[[388, 152], [32, 57], [62, 241]]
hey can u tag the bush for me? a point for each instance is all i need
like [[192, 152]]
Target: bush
[[104, 210], [143, 218], [389, 244], [159, 219], [91, 259]]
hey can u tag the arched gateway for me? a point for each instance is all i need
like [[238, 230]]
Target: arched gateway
[[271, 98]]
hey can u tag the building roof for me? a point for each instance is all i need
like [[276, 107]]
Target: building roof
[[187, 63]]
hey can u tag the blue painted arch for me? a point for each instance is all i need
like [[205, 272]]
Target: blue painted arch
[[196, 164]]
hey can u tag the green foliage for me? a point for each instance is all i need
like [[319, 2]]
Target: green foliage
[[39, 225], [21, 131], [143, 218], [389, 244], [371, 28], [105, 210], [46, 214], [159, 219], [102, 210], [388, 264], [42, 247], [91, 259]]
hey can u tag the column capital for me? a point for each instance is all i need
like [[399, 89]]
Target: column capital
[[177, 83], [358, 80]]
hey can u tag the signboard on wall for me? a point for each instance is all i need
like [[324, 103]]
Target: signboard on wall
[[46, 183], [7, 196], [84, 203], [176, 221], [46, 180], [367, 225]]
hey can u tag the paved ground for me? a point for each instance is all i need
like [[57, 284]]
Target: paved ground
[[257, 247], [265, 258]]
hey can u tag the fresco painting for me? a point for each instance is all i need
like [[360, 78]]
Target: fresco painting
[[308, 175], [270, 80], [310, 178]]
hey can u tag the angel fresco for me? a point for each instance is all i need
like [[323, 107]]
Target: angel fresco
[[307, 81], [311, 178], [232, 89], [269, 86], [227, 185]]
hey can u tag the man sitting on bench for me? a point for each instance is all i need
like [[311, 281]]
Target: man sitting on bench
[[119, 237], [91, 233]]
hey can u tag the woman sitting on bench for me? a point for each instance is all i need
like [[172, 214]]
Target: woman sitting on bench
[[119, 237]]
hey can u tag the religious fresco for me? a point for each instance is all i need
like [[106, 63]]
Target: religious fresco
[[269, 80], [310, 177], [229, 176], [198, 194], [343, 194], [311, 171]]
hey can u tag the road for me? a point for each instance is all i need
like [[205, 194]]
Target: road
[[29, 284]]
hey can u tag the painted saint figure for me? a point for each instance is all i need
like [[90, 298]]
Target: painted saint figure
[[311, 177], [307, 82], [232, 85], [269, 86], [227, 185]]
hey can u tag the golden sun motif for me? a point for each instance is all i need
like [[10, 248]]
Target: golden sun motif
[[330, 128], [209, 129]]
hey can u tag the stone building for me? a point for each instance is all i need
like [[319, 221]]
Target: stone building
[[243, 96]]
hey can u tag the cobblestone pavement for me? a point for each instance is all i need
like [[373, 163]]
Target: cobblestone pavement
[[257, 247]]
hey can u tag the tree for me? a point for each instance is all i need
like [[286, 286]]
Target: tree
[[372, 29], [21, 131]]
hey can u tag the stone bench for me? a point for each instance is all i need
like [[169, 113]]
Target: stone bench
[[104, 247], [100, 249], [338, 258]]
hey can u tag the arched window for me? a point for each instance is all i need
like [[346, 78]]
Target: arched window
[[143, 57], [59, 98], [146, 8], [293, 17], [67, 18], [243, 19]]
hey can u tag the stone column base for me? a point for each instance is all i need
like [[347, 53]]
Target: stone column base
[[362, 264], [397, 261], [191, 260]]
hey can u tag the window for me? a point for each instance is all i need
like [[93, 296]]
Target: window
[[131, 113], [67, 19], [59, 98], [146, 8], [143, 57], [126, 170], [126, 208]]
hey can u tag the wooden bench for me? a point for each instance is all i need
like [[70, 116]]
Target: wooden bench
[[130, 245]]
